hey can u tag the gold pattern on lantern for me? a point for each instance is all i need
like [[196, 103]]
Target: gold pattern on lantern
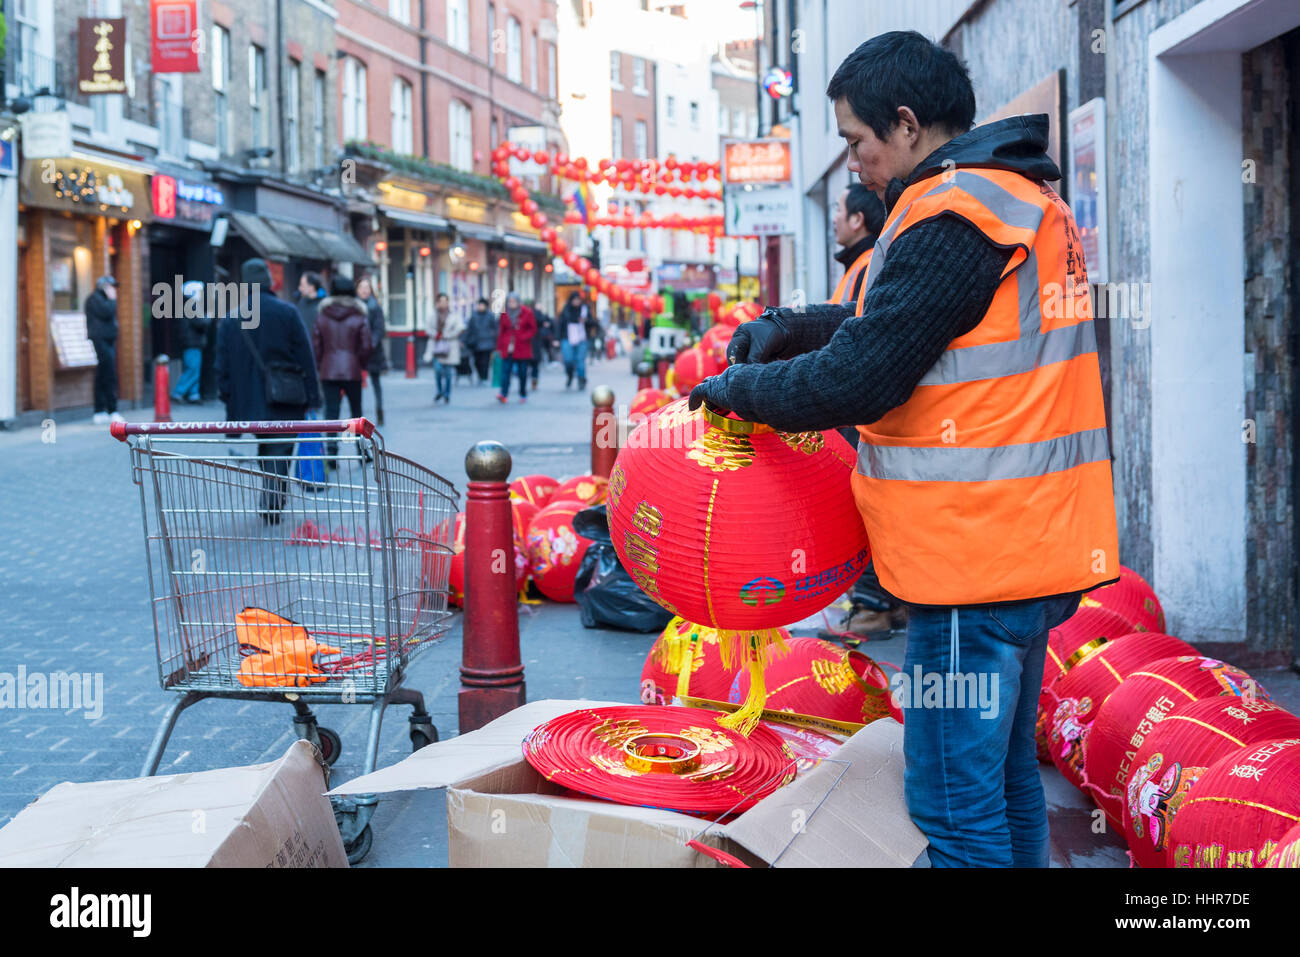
[[709, 740], [613, 766], [617, 482], [617, 733], [641, 552], [722, 452], [648, 519], [674, 418], [714, 771], [809, 443], [834, 677]]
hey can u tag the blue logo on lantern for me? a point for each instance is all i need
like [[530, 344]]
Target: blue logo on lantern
[[762, 592]]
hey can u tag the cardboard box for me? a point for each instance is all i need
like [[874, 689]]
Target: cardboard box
[[846, 812], [266, 815]]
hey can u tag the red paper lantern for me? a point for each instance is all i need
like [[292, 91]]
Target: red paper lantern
[[740, 312], [715, 341], [1077, 696], [555, 550], [1132, 598], [1176, 753], [536, 489], [538, 220], [592, 276], [456, 576], [824, 680], [737, 526], [1287, 852], [1141, 701], [584, 491], [648, 400], [691, 368], [683, 641], [1240, 808]]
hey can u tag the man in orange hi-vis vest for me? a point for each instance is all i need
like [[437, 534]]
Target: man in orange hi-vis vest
[[857, 219], [969, 366]]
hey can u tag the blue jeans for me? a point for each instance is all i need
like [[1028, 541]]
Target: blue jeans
[[442, 373], [518, 367], [574, 355], [971, 772], [187, 386]]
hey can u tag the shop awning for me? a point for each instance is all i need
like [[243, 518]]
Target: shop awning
[[263, 237], [525, 244], [413, 220], [476, 231], [340, 246], [300, 241]]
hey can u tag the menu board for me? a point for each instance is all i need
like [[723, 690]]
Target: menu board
[[71, 347]]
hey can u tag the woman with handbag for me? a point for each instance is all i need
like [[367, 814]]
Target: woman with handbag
[[445, 331], [342, 343]]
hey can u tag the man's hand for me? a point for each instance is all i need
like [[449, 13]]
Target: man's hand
[[712, 390], [760, 340]]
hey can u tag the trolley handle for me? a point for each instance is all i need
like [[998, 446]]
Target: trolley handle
[[120, 430]]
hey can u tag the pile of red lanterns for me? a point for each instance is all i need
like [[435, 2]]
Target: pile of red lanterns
[[1184, 753]]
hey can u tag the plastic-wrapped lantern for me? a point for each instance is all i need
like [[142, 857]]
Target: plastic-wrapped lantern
[[824, 680], [647, 401], [681, 641], [1240, 808], [1132, 598], [1176, 753], [1141, 701], [691, 368], [1077, 696], [1067, 643], [555, 550], [737, 526], [584, 491], [1287, 852], [536, 489], [715, 341]]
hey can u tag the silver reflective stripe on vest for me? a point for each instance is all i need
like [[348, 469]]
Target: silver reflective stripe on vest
[[996, 359], [952, 463]]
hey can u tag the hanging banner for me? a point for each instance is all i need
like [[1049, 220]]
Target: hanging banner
[[172, 31], [101, 55]]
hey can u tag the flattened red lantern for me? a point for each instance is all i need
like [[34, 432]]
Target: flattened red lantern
[[737, 526], [584, 490], [824, 680], [555, 550], [1132, 598]]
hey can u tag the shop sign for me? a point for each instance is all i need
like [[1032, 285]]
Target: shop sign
[[756, 161], [174, 35], [46, 134], [176, 199], [101, 55], [87, 187]]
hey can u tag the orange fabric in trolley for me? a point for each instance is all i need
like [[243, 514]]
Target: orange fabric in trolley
[[285, 652], [843, 294], [992, 482]]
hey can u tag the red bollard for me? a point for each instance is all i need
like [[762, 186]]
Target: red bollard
[[162, 394], [604, 431], [643, 372], [662, 365], [611, 348], [491, 670], [410, 356]]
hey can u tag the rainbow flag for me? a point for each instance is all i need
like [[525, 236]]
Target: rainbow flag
[[582, 202]]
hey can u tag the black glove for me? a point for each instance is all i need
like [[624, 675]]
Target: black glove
[[760, 340], [712, 390]]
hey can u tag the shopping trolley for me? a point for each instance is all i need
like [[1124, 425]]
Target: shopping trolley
[[268, 584]]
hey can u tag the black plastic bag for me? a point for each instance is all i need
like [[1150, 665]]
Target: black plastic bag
[[607, 596]]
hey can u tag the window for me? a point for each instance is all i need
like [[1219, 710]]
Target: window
[[638, 75], [462, 140], [551, 88], [27, 21], [514, 51], [292, 95], [167, 107], [257, 95], [403, 136], [532, 62], [724, 120], [220, 84], [615, 70], [670, 109], [354, 100], [640, 139], [695, 115], [616, 138], [400, 10], [458, 24], [494, 135], [318, 119], [753, 122], [738, 122]]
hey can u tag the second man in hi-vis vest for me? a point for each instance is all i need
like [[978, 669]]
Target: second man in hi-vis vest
[[857, 220], [969, 365]]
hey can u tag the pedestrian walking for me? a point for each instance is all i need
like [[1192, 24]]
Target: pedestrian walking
[[342, 345], [311, 289], [595, 337], [571, 330], [265, 371], [542, 343], [992, 530], [481, 337], [191, 332], [378, 363], [445, 331], [101, 330], [515, 335]]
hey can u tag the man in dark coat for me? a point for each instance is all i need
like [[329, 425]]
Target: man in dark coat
[[378, 362], [311, 290], [101, 330], [245, 347], [481, 338]]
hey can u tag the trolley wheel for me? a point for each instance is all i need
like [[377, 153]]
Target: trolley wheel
[[360, 847], [423, 736], [331, 745]]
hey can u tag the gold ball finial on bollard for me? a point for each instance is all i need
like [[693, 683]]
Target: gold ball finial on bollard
[[645, 368], [602, 395], [488, 461]]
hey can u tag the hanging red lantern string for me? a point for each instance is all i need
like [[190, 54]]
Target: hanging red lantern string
[[678, 759]]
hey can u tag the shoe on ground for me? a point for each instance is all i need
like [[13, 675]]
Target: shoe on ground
[[865, 624], [523, 399], [100, 418], [582, 383], [502, 399], [116, 417]]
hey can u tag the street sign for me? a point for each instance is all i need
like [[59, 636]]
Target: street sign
[[762, 211], [46, 134]]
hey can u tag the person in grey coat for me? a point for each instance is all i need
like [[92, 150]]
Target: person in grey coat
[[481, 338], [378, 363]]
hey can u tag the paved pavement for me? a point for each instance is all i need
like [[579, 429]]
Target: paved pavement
[[75, 599]]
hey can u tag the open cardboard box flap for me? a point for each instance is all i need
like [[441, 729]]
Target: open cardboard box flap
[[846, 812]]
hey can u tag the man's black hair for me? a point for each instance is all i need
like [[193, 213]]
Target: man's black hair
[[482, 302], [343, 286], [315, 280], [441, 295], [903, 68], [864, 201]]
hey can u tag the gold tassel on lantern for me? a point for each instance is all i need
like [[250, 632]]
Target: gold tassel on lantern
[[757, 648], [681, 658]]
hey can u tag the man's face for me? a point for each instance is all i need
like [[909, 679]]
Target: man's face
[[848, 229], [875, 161], [441, 305], [110, 292], [304, 287]]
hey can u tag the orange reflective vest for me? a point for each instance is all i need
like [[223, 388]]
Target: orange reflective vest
[[843, 294], [992, 482]]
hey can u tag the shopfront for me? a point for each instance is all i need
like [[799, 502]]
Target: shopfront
[[80, 217], [407, 248]]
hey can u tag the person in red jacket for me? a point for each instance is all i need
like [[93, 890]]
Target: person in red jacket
[[515, 343]]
